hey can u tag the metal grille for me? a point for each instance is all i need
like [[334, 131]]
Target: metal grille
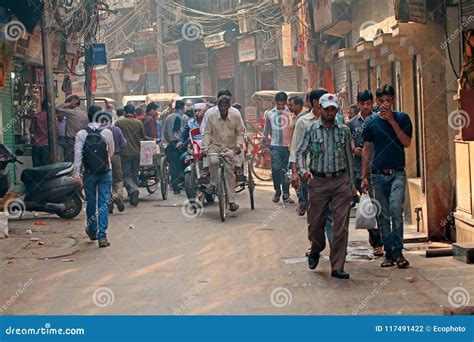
[[340, 74]]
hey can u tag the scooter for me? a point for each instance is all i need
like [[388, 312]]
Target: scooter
[[52, 189]]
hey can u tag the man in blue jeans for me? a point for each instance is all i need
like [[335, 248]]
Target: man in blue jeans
[[93, 148], [278, 126], [387, 135]]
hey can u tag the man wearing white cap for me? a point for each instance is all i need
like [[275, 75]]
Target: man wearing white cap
[[331, 180]]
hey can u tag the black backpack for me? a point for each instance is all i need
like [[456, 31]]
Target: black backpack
[[95, 156]]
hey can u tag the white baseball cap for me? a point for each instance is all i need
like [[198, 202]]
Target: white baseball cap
[[328, 100]]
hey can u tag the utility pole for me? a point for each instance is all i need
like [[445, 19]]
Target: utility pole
[[160, 46], [46, 37], [89, 55]]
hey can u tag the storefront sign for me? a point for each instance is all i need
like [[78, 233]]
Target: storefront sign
[[173, 60], [267, 45], [151, 63], [300, 60], [138, 65], [247, 50], [287, 48], [100, 54], [411, 10], [94, 81]]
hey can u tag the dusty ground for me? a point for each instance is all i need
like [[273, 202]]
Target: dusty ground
[[162, 262]]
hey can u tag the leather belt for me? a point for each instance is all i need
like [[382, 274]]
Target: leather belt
[[330, 175], [387, 172]]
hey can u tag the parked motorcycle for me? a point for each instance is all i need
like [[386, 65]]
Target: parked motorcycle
[[52, 189], [196, 187]]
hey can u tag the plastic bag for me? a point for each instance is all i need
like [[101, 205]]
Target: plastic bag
[[366, 213]]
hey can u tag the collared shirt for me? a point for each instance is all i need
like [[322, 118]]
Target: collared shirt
[[149, 123], [134, 132], [79, 146], [215, 110], [119, 140], [330, 149], [278, 126], [301, 124], [39, 129], [76, 119], [389, 153], [224, 134], [357, 125]]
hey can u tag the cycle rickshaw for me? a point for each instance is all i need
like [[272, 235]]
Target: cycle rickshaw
[[150, 176]]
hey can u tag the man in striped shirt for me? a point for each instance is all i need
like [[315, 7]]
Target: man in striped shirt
[[278, 126], [330, 176]]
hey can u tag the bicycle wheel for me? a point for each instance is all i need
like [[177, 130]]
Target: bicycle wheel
[[262, 172], [250, 185], [164, 177], [222, 194]]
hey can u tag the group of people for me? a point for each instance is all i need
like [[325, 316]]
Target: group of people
[[331, 162]]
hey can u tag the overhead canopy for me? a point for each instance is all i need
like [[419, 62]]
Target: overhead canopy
[[162, 97]]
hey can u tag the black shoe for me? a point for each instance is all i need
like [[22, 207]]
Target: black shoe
[[119, 202], [92, 238], [340, 274], [134, 198], [313, 261], [111, 208], [233, 207], [177, 192]]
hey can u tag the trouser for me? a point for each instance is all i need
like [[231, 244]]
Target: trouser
[[280, 156], [325, 192], [230, 162], [375, 235], [68, 148], [98, 190], [40, 156], [389, 191], [172, 155], [117, 178], [130, 168], [302, 193]]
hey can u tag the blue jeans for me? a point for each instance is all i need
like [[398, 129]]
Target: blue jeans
[[280, 156], [98, 190], [389, 191]]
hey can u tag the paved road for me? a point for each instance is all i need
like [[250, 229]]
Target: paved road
[[162, 262]]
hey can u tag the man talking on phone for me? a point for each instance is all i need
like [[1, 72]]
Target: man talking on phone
[[387, 136]]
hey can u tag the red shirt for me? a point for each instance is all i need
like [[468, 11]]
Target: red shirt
[[39, 129], [149, 122]]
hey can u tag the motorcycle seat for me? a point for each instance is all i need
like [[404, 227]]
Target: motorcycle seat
[[43, 173]]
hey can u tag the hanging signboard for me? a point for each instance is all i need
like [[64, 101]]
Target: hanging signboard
[[173, 60], [247, 50], [267, 45], [151, 63], [287, 48], [138, 65], [100, 54], [94, 81]]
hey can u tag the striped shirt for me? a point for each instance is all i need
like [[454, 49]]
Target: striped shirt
[[330, 149], [278, 126]]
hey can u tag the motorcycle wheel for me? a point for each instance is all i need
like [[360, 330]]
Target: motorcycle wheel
[[74, 203], [190, 184], [164, 177]]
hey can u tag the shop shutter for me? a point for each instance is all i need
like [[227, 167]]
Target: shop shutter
[[467, 9], [354, 85], [340, 74], [286, 77]]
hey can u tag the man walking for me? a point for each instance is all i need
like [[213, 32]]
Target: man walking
[[39, 135], [134, 132], [278, 126], [224, 132], [76, 120], [149, 121], [365, 102], [387, 135], [172, 130], [94, 146], [330, 178]]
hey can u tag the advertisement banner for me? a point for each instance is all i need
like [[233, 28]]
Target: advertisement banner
[[173, 60], [247, 51], [287, 48]]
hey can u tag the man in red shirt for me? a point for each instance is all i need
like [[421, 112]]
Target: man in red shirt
[[149, 121], [39, 136]]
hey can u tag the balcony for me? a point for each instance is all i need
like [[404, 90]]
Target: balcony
[[332, 17]]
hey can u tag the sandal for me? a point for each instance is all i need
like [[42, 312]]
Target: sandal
[[402, 262], [276, 199], [387, 263]]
